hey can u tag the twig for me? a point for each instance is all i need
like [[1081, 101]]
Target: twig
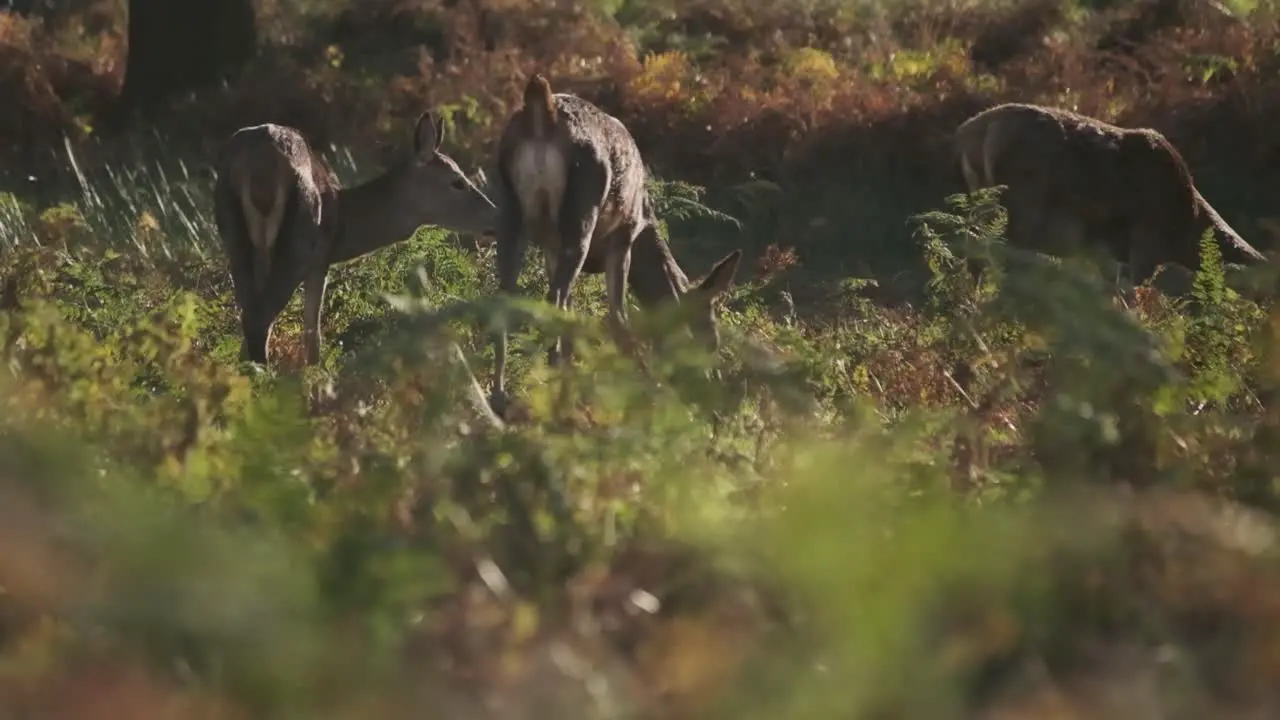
[[475, 394], [972, 403]]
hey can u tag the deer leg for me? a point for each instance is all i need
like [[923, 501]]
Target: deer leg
[[1142, 258], [234, 233], [549, 258], [1066, 234], [617, 270], [1027, 213], [313, 288], [568, 267], [510, 241], [586, 191], [280, 286], [253, 344], [259, 317], [255, 319], [317, 244], [573, 255], [292, 256], [617, 265]]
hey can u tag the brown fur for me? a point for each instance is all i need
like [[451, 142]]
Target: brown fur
[[265, 167], [570, 180], [283, 219], [1071, 178]]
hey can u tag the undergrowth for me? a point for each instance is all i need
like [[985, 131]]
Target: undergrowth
[[855, 500], [933, 475]]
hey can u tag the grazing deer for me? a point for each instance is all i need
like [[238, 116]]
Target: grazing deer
[[571, 181], [283, 219], [1072, 178]]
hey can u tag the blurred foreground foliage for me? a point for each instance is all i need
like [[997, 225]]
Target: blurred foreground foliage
[[1031, 497]]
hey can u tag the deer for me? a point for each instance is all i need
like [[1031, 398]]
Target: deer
[[570, 180], [1071, 178], [283, 219]]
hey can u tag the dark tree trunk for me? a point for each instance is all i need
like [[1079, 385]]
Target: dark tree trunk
[[180, 45], [22, 7]]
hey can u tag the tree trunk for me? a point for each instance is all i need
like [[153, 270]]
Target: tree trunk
[[180, 45], [21, 7]]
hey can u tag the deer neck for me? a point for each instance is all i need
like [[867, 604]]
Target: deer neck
[[655, 276], [371, 216]]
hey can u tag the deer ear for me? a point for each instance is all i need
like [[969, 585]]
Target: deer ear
[[721, 276], [429, 133]]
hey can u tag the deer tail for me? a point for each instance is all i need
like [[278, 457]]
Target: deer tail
[[974, 143], [539, 106], [994, 141]]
